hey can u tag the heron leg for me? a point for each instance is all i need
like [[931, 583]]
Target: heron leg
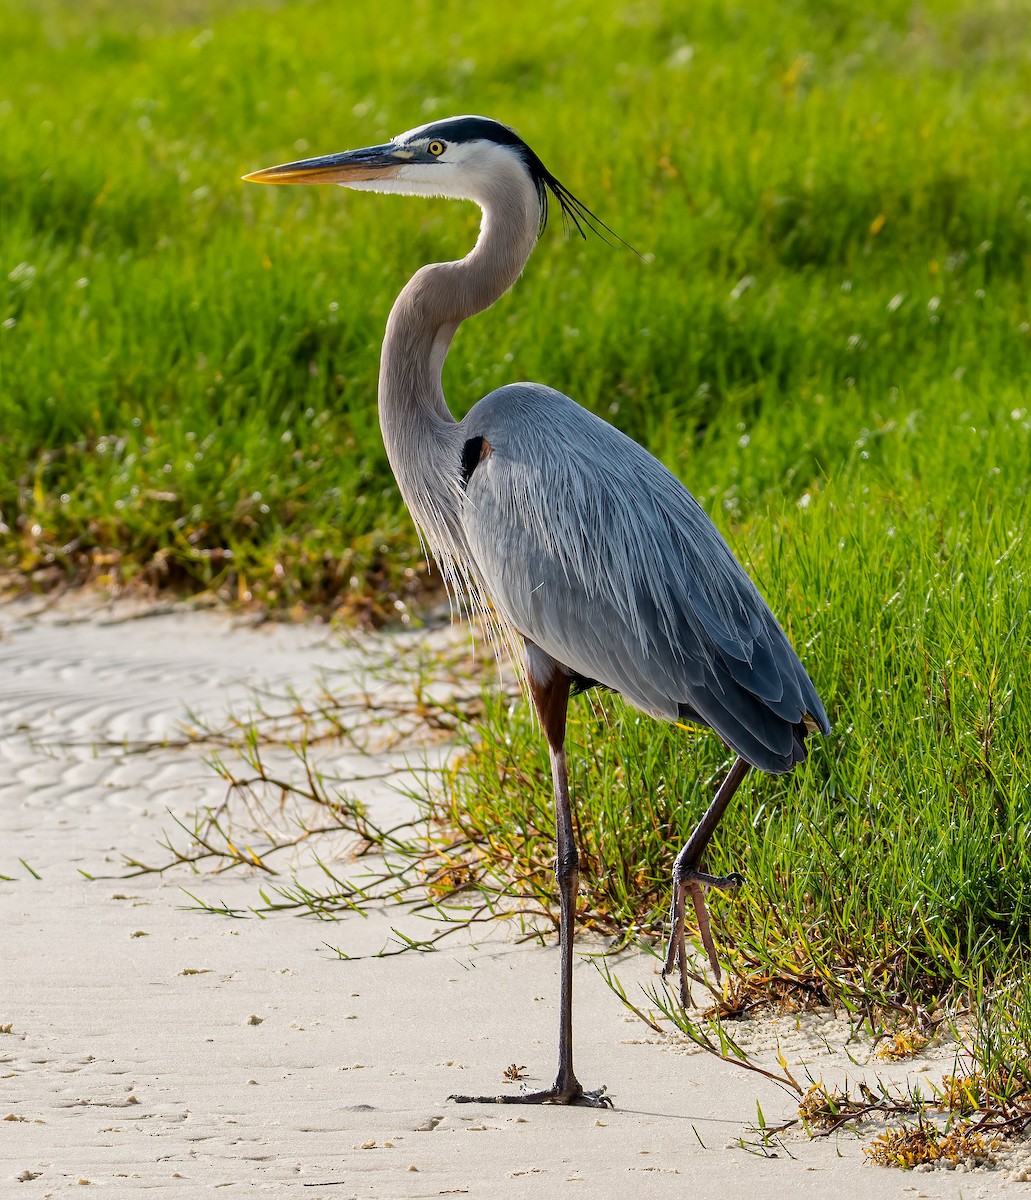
[[551, 697], [687, 877]]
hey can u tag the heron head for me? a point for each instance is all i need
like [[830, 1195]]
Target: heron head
[[459, 158]]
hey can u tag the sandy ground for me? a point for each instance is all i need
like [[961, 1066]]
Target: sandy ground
[[147, 1047]]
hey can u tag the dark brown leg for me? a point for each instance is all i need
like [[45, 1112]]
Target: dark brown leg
[[688, 877], [549, 686]]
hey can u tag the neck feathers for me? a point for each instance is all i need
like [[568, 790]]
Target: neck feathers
[[439, 297], [418, 428]]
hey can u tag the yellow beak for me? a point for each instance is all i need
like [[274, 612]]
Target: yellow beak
[[352, 166]]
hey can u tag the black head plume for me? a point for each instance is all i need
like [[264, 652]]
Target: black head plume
[[575, 214]]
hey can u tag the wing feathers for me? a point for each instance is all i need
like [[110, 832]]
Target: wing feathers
[[588, 546]]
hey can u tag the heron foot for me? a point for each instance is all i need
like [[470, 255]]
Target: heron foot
[[572, 1094], [688, 878]]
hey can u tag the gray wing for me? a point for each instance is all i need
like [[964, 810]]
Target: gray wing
[[593, 550]]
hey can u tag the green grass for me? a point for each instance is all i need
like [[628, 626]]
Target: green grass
[[828, 339], [833, 200]]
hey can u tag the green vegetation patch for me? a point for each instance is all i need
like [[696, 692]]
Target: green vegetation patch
[[829, 199]]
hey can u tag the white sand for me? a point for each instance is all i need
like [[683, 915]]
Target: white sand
[[156, 1048]]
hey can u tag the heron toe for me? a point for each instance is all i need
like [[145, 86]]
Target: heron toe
[[572, 1095]]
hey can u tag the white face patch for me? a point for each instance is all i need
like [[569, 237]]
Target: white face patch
[[461, 171]]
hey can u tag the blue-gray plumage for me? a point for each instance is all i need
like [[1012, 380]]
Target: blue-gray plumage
[[603, 559], [565, 535]]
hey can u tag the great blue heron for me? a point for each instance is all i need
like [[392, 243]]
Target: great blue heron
[[572, 538]]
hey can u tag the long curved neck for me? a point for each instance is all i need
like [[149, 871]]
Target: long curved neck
[[429, 310]]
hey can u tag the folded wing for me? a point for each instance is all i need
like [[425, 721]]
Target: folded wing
[[593, 550]]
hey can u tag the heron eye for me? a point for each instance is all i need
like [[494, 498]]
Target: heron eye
[[436, 149]]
